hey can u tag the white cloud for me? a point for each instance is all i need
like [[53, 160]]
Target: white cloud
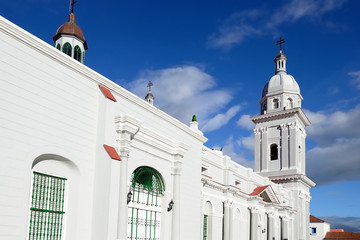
[[356, 80], [220, 119], [232, 149], [240, 26], [183, 91], [245, 122], [336, 157], [248, 142]]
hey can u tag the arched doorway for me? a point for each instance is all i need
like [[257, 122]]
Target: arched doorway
[[144, 216]]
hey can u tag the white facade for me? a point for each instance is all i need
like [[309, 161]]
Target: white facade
[[56, 116], [318, 230]]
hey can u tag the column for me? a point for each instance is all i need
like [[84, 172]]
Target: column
[[293, 148], [227, 206], [264, 150], [257, 150], [254, 224], [285, 229], [176, 174], [284, 147], [124, 150], [271, 226]]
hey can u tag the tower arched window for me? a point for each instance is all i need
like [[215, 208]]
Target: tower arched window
[[273, 152], [276, 103], [77, 53], [290, 103], [58, 46], [145, 199], [67, 49]]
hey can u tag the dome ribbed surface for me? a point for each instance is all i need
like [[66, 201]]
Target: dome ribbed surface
[[281, 83]]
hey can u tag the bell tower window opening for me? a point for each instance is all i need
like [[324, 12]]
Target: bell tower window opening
[[67, 49], [144, 212], [273, 152], [276, 103], [77, 53], [290, 103]]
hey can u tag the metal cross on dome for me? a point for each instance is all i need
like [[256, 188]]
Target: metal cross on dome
[[72, 3], [150, 84], [280, 42]]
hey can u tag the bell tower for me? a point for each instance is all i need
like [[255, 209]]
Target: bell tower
[[280, 128], [70, 39], [280, 141]]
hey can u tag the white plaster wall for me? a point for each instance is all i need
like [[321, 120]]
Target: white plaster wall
[[46, 108], [321, 229]]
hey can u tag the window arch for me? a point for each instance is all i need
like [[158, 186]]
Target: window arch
[[290, 103], [273, 151], [77, 53], [58, 46], [144, 211], [67, 49], [276, 103]]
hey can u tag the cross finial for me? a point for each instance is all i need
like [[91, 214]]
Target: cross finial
[[150, 84], [280, 42], [72, 3]]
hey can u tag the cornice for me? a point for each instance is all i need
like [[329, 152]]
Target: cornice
[[44, 48], [293, 178], [282, 114], [126, 122]]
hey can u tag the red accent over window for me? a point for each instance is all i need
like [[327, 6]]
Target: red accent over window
[[258, 190], [112, 152], [107, 93]]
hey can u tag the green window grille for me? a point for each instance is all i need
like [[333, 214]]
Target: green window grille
[[77, 53], [145, 206], [205, 227], [67, 49], [47, 207], [58, 46]]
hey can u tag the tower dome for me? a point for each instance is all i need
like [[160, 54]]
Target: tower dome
[[72, 29], [281, 91], [70, 39]]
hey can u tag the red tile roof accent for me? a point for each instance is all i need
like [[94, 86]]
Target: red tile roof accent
[[342, 235], [336, 230], [315, 219], [107, 93], [258, 190], [112, 152]]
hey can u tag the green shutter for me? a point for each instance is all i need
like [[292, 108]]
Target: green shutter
[[205, 227], [47, 207]]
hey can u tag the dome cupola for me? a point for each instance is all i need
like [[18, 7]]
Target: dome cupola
[[281, 91], [70, 39]]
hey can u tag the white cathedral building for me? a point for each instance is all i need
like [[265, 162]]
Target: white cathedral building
[[83, 158]]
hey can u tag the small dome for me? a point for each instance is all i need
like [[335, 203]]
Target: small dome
[[70, 28], [281, 83], [280, 54]]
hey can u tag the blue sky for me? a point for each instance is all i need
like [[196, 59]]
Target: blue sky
[[213, 58]]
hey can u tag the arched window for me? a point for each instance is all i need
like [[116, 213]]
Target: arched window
[[67, 49], [273, 152], [77, 53], [145, 199], [47, 206], [58, 46], [290, 103], [207, 221], [276, 103]]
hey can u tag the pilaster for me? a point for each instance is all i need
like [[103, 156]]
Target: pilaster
[[284, 147], [176, 174]]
